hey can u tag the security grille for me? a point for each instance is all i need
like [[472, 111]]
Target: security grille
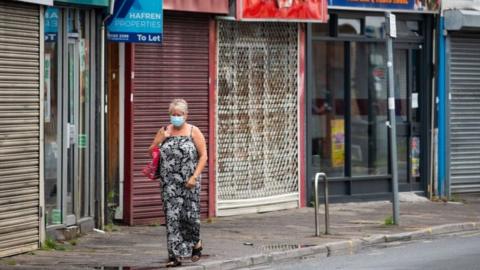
[[464, 70], [257, 139]]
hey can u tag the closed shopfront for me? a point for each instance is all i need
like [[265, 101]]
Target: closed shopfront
[[20, 173], [463, 84], [177, 68], [464, 120], [347, 102], [257, 117]]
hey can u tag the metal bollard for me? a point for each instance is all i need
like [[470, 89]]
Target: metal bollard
[[327, 220]]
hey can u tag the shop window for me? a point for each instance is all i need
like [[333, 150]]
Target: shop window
[[52, 119], [374, 26], [409, 29], [349, 27], [369, 144], [328, 105]]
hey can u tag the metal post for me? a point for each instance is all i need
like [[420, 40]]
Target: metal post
[[101, 217], [323, 176], [317, 229], [327, 213], [442, 111], [391, 33]]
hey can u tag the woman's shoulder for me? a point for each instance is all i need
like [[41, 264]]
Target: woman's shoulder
[[194, 130]]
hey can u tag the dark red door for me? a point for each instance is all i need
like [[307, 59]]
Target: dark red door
[[179, 68]]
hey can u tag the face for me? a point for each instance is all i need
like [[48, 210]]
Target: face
[[178, 112]]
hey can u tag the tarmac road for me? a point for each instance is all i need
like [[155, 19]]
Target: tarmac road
[[456, 252]]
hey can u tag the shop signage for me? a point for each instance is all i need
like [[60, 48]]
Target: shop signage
[[56, 216], [385, 4], [51, 24], [283, 10], [419, 5], [99, 3], [40, 2], [136, 21], [82, 141], [203, 6]]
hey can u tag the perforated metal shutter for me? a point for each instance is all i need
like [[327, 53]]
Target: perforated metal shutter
[[19, 127], [257, 138], [464, 72], [179, 68]]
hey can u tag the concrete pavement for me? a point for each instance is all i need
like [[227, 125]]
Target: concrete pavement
[[241, 241]]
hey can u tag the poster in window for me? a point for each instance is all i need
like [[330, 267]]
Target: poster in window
[[283, 10], [47, 86], [427, 5], [338, 142], [415, 156]]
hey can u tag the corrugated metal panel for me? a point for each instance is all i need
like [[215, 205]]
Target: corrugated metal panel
[[179, 68], [464, 72], [19, 127]]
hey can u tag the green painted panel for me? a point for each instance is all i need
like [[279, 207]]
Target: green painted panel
[[101, 3]]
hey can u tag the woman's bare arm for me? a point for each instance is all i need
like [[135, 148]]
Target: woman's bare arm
[[201, 146]]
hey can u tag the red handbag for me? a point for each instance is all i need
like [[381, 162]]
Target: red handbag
[[151, 170]]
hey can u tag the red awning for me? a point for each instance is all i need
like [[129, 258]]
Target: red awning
[[203, 6], [283, 10]]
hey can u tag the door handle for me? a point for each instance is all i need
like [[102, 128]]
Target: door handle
[[71, 133]]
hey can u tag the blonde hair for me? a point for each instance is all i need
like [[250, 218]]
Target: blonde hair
[[180, 104]]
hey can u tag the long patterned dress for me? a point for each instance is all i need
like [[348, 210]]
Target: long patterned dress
[[179, 159]]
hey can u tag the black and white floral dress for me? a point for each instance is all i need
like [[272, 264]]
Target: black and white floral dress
[[178, 160]]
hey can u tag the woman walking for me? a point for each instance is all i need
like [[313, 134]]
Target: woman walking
[[183, 156]]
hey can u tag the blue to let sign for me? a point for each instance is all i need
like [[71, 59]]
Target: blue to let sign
[[383, 4], [136, 21]]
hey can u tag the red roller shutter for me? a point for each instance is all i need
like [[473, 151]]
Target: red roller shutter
[[179, 68]]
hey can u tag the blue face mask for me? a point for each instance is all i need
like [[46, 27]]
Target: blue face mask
[[177, 121]]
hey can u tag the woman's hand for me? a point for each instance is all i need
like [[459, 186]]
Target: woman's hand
[[150, 149], [161, 135], [192, 181]]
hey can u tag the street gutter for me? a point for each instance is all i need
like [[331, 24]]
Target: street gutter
[[334, 248]]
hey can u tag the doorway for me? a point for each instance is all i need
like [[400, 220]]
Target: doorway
[[114, 166], [407, 97], [77, 115], [70, 199]]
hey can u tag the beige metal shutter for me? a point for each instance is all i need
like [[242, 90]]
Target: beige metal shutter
[[257, 112], [464, 71], [19, 127]]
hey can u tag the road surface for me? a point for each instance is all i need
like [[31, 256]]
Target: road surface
[[455, 252]]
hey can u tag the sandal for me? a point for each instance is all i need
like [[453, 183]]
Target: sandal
[[173, 262], [197, 252]]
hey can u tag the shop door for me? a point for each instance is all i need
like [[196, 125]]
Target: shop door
[[76, 119], [72, 124], [407, 97]]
